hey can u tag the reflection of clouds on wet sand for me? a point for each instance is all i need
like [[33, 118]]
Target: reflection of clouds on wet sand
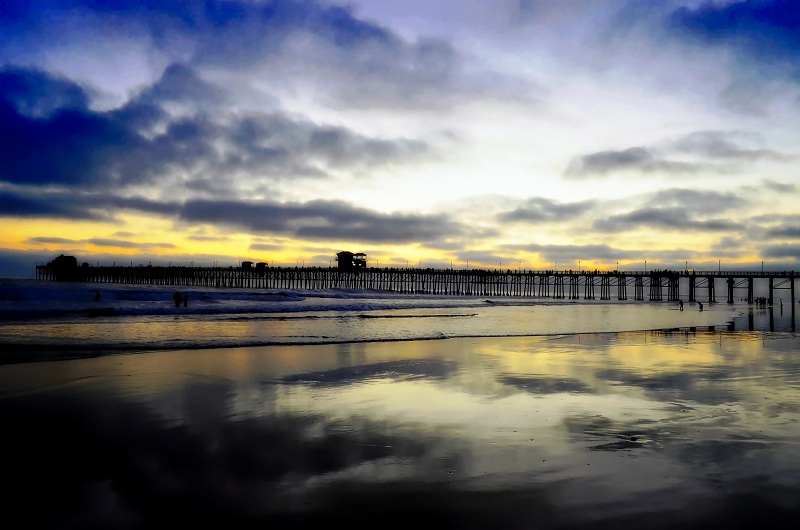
[[649, 430], [348, 375], [121, 453]]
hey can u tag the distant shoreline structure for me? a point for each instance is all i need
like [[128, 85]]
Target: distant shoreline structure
[[659, 285]]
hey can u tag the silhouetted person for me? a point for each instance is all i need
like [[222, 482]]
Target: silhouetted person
[[177, 298], [97, 296], [681, 304], [185, 299], [701, 305]]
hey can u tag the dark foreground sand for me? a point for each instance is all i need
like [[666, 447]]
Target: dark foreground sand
[[641, 430]]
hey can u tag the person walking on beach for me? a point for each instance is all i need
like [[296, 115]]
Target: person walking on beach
[[681, 304], [177, 298], [185, 299], [701, 305]]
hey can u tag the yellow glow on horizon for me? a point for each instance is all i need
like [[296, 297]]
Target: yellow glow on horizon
[[16, 233], [141, 234]]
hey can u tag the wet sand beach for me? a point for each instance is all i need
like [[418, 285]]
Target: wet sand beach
[[612, 430]]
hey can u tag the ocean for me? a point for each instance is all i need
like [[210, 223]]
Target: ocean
[[249, 408]]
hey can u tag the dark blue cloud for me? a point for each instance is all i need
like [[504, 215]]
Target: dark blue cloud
[[24, 13], [541, 210], [791, 252], [204, 18], [768, 30], [99, 242], [569, 254], [710, 151], [120, 243], [81, 206], [783, 232], [180, 84], [704, 201], [725, 145], [325, 48], [72, 148], [50, 136], [319, 219], [639, 159], [17, 205], [667, 218], [181, 10], [322, 219], [347, 30], [38, 94]]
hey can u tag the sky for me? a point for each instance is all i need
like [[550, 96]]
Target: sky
[[511, 134]]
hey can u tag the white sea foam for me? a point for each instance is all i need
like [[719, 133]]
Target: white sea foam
[[42, 299]]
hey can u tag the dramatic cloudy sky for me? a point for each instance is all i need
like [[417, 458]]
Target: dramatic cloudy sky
[[513, 133]]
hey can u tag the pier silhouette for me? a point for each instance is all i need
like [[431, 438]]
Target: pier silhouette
[[664, 285]]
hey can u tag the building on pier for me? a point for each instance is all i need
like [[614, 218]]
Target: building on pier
[[64, 262], [349, 261], [65, 268]]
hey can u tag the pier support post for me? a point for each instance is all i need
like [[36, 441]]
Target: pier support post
[[692, 288], [588, 289], [730, 289], [544, 286], [655, 289], [771, 287], [558, 287], [638, 288], [791, 281], [674, 293], [750, 290], [711, 296]]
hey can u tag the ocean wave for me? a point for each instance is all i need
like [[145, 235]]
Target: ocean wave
[[32, 299]]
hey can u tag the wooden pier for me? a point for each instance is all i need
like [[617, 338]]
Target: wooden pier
[[654, 286]]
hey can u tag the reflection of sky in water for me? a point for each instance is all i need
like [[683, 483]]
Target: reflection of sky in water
[[583, 427], [773, 318]]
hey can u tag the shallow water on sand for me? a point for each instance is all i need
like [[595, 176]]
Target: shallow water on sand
[[647, 429], [79, 335]]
